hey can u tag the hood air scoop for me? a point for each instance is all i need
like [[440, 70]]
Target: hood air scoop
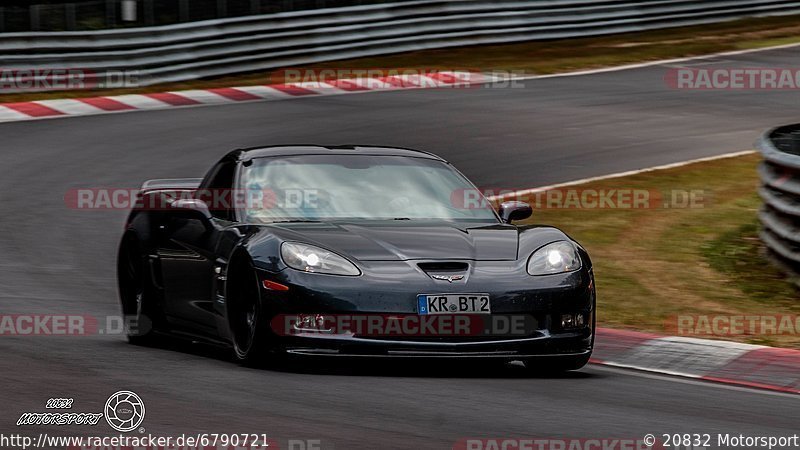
[[445, 271]]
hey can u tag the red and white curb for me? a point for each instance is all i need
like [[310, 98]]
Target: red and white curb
[[48, 109], [727, 362]]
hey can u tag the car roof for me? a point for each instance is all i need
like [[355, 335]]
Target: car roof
[[247, 154]]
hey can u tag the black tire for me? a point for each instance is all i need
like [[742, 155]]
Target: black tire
[[137, 294], [254, 343]]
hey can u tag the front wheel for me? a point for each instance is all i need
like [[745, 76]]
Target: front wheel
[[248, 317], [137, 294]]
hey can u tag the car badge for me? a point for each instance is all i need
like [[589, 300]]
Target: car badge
[[448, 278]]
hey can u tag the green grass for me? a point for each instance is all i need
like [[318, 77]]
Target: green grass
[[652, 264], [732, 253], [537, 57]]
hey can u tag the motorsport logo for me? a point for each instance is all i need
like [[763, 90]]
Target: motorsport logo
[[124, 411]]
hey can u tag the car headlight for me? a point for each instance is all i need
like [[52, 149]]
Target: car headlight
[[309, 258], [556, 257]]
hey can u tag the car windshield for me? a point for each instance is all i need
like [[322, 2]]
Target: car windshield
[[352, 187]]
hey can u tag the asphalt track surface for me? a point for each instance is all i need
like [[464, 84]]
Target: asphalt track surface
[[56, 260]]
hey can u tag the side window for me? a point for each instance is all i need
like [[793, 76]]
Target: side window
[[216, 189]]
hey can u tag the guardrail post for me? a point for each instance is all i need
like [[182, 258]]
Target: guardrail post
[[183, 10], [69, 16], [111, 13], [34, 13], [129, 10]]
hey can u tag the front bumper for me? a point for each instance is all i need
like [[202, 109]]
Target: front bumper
[[392, 288], [565, 344]]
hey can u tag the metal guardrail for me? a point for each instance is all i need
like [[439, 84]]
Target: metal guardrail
[[251, 43], [780, 190], [63, 15]]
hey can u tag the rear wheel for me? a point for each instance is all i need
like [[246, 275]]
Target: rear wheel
[[254, 343], [137, 293]]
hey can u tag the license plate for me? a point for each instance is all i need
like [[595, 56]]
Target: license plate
[[454, 303]]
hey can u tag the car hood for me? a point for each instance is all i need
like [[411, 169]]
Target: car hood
[[409, 240]]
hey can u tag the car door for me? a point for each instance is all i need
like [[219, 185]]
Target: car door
[[188, 253]]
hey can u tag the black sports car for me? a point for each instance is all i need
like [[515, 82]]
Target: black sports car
[[352, 251]]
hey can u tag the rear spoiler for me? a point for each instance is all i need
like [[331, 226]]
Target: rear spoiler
[[171, 184], [159, 194]]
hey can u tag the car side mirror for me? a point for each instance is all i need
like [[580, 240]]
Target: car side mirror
[[191, 208], [511, 211]]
